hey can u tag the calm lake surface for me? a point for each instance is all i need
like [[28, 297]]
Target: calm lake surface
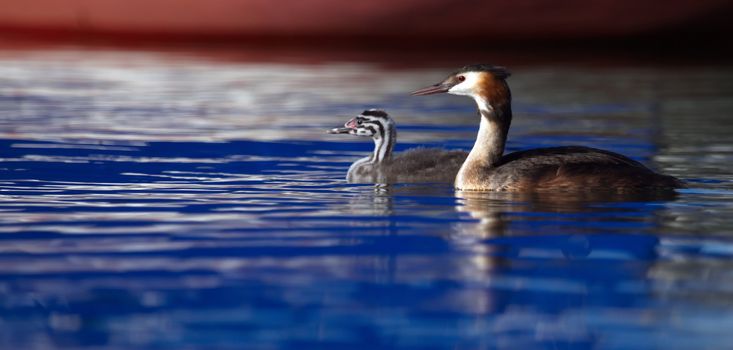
[[175, 200]]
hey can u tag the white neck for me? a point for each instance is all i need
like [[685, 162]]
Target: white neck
[[489, 146], [382, 153], [383, 146]]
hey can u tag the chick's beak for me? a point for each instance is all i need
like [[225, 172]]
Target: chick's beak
[[432, 89], [339, 131], [348, 128]]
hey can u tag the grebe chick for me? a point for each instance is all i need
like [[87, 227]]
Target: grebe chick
[[572, 168], [414, 165]]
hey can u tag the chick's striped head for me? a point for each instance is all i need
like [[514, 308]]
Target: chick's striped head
[[372, 122]]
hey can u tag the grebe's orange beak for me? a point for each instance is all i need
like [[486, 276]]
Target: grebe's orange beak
[[432, 89]]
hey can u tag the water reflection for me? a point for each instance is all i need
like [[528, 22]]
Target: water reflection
[[153, 201], [562, 226], [521, 274]]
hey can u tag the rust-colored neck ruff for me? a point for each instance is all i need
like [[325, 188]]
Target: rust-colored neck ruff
[[494, 91]]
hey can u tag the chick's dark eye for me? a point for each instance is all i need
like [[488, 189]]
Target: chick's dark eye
[[461, 78], [358, 122]]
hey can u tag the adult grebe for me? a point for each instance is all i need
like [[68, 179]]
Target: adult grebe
[[414, 165], [572, 168]]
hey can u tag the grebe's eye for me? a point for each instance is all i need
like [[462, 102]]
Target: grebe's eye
[[358, 122], [461, 78]]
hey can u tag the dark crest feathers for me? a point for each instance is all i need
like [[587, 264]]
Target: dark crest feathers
[[498, 71], [375, 113]]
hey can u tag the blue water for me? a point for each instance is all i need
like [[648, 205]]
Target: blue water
[[179, 201]]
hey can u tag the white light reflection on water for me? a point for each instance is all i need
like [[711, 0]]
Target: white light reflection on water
[[155, 200]]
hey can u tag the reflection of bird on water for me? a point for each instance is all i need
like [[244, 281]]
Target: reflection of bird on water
[[571, 168], [494, 212], [414, 165]]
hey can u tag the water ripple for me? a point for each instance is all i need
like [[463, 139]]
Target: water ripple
[[154, 200]]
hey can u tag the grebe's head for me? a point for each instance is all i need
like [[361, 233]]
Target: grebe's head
[[372, 122], [478, 80]]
